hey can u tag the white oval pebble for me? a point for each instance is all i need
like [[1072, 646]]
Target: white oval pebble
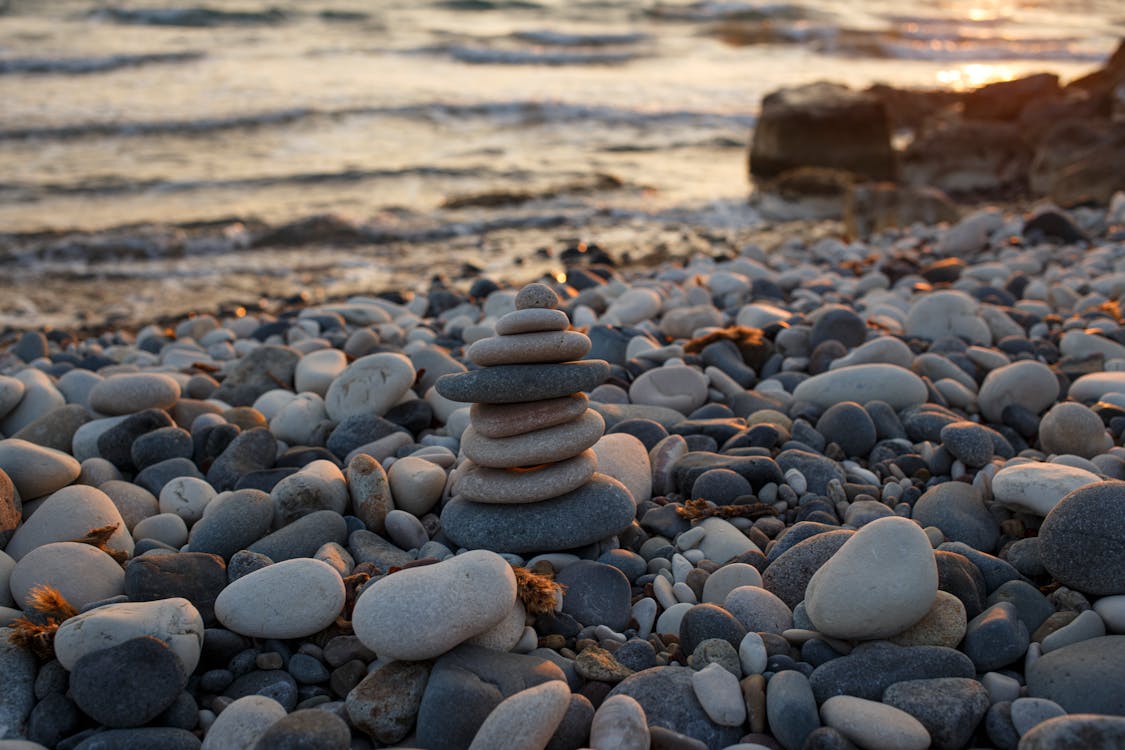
[[419, 613], [619, 724], [242, 722], [290, 599], [873, 725], [524, 720], [717, 690]]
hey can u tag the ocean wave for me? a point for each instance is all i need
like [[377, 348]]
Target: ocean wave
[[116, 185], [512, 113], [202, 125], [726, 11], [486, 5], [86, 65], [549, 38], [231, 235], [910, 46], [934, 43], [192, 16], [493, 56]]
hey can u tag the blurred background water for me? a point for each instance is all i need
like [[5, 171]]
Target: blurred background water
[[118, 113], [452, 114]]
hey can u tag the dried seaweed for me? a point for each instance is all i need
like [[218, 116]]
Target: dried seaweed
[[537, 592], [99, 538], [697, 510], [752, 343], [46, 609]]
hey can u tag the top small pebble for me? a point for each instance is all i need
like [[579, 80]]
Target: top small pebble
[[537, 295]]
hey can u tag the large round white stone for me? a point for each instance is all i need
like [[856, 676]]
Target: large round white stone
[[882, 581]]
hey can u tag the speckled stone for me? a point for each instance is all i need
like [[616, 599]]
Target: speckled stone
[[1083, 539], [1076, 676], [535, 296], [950, 708]]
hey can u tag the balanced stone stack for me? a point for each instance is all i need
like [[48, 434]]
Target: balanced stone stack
[[530, 482]]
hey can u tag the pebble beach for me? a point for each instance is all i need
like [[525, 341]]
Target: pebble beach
[[832, 494]]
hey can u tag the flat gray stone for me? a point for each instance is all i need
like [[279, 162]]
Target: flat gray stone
[[507, 384], [529, 348], [1077, 676], [505, 420], [303, 537], [482, 484], [874, 666], [599, 509], [547, 445], [56, 428], [36, 470], [958, 510]]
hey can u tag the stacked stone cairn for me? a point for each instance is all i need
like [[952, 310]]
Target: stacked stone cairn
[[529, 480]]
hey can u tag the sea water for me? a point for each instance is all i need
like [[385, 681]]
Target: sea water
[[445, 117]]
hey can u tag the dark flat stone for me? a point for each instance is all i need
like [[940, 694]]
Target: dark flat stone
[[195, 576], [507, 384], [303, 537], [129, 684], [873, 667], [233, 524], [598, 509]]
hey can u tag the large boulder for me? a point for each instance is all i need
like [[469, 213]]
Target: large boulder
[[822, 125], [1004, 100], [970, 159], [1095, 175]]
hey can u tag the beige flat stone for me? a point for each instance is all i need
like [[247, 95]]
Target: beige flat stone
[[505, 420], [507, 486], [532, 448], [527, 348], [531, 320]]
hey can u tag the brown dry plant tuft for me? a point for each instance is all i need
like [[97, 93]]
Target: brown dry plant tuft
[[537, 592], [47, 608], [99, 538], [697, 510], [752, 343]]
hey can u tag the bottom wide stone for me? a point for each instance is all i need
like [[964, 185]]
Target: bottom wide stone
[[598, 509]]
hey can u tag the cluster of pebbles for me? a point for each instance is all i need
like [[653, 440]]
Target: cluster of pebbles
[[835, 495]]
